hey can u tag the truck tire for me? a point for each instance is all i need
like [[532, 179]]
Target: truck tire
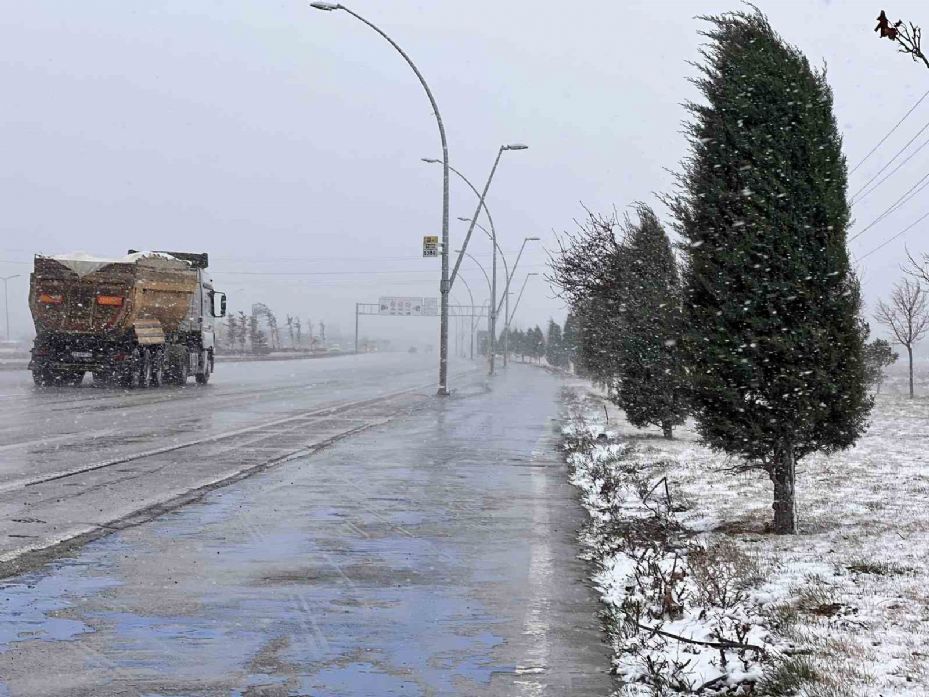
[[204, 377], [131, 373], [48, 377], [180, 370], [158, 368], [103, 378], [145, 368]]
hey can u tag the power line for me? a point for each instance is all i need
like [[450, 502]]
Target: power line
[[893, 171], [899, 234], [908, 195], [890, 132], [339, 273], [890, 162]]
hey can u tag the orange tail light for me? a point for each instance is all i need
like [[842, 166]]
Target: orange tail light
[[51, 298], [112, 300]]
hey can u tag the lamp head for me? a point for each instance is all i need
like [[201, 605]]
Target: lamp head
[[516, 146], [430, 160], [326, 6], [532, 239], [463, 219]]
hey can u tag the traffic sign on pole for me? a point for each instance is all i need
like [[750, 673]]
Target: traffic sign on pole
[[430, 246]]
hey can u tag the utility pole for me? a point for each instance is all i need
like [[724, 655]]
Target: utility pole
[[6, 302]]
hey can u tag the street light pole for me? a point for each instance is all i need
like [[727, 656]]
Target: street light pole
[[482, 203], [471, 318], [464, 246], [462, 253], [506, 273], [520, 297], [506, 293], [445, 285], [6, 302]]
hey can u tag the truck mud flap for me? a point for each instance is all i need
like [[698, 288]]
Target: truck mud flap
[[148, 332]]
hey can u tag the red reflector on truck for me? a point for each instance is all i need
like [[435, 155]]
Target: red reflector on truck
[[113, 300], [51, 298]]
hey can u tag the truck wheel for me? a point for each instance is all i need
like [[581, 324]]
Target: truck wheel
[[132, 370], [204, 377], [102, 378], [158, 368], [46, 377], [145, 368], [180, 370]]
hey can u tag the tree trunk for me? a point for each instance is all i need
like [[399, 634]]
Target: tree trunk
[[785, 520], [909, 350], [668, 428]]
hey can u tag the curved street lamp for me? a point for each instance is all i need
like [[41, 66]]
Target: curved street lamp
[[462, 253], [481, 203], [506, 292], [445, 285], [516, 306], [471, 318]]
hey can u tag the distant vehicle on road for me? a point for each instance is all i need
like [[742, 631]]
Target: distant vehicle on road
[[140, 320]]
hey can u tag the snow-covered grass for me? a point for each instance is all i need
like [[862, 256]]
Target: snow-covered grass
[[840, 609]]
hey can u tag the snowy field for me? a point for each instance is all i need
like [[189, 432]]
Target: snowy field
[[701, 597]]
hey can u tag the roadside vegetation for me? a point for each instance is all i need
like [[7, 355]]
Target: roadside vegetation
[[744, 349], [700, 598]]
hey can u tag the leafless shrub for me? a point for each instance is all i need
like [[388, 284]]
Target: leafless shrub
[[723, 574]]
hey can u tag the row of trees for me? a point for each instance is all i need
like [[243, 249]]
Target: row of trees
[[756, 332], [258, 332], [556, 346]]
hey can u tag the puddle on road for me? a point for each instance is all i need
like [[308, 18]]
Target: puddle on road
[[354, 614], [34, 607]]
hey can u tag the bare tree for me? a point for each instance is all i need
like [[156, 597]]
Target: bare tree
[[907, 36], [907, 316], [290, 330]]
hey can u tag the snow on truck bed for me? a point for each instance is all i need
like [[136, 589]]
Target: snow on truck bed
[[83, 263]]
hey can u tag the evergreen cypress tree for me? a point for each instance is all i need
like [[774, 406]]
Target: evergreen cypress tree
[[537, 343], [651, 385], [553, 347], [773, 336], [569, 339]]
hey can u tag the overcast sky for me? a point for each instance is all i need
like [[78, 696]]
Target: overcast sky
[[286, 141]]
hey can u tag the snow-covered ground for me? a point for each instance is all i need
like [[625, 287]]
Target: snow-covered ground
[[840, 609]]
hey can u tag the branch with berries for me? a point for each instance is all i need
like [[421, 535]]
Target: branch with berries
[[907, 36]]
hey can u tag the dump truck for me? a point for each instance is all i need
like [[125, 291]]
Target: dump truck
[[142, 320]]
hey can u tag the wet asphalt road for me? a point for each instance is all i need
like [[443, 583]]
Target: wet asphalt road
[[78, 461], [47, 430], [433, 555]]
